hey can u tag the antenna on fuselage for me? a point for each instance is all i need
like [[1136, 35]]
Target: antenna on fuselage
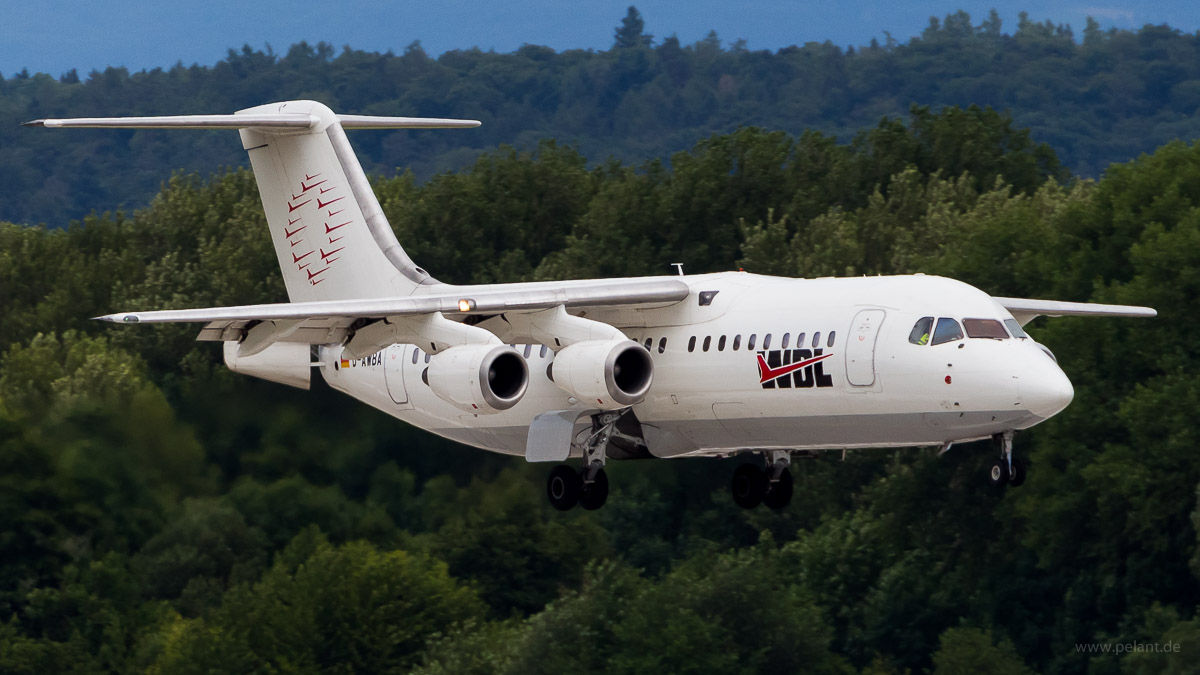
[[678, 267]]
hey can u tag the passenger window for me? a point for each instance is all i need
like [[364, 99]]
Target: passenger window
[[947, 330], [721, 344], [707, 342], [528, 350], [985, 328], [829, 342], [416, 355], [921, 330], [737, 341], [816, 339], [649, 341], [786, 338], [799, 340], [1014, 327], [542, 351], [427, 357], [692, 344], [750, 342], [662, 345], [767, 341]]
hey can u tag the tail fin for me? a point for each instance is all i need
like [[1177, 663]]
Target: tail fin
[[330, 235]]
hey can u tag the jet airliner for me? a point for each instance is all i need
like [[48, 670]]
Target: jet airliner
[[673, 366]]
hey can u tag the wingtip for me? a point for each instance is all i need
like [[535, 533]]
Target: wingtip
[[117, 318], [34, 123]]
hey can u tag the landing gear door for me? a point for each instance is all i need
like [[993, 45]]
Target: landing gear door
[[393, 368], [860, 347]]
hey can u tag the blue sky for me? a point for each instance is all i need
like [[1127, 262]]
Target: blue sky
[[139, 34]]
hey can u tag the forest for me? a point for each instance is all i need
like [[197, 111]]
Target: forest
[[163, 515], [1097, 96], [160, 514]]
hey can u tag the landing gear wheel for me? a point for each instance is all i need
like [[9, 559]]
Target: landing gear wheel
[[1017, 478], [998, 473], [563, 488], [779, 493], [749, 486], [594, 494]]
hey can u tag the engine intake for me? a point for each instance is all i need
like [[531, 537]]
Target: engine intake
[[480, 379], [608, 374]]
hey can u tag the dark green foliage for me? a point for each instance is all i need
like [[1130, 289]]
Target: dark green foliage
[[162, 515], [1115, 95]]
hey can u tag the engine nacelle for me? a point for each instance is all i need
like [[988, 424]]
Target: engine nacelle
[[608, 374], [480, 379]]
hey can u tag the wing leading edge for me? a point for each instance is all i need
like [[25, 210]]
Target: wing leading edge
[[327, 321]]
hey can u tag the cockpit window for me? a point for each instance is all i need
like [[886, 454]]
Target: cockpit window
[[985, 328], [920, 332], [1014, 327], [947, 330]]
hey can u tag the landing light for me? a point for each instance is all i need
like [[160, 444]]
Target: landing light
[[466, 305]]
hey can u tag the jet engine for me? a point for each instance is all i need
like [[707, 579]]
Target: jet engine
[[608, 374], [481, 379]]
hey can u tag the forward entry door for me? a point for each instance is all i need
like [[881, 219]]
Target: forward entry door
[[860, 348]]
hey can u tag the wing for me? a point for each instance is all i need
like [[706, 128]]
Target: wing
[[332, 321], [1025, 310]]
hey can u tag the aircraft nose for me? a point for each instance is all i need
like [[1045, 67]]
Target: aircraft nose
[[1045, 390]]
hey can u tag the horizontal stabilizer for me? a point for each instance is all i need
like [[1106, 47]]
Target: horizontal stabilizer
[[273, 121], [253, 121], [1025, 310], [374, 122]]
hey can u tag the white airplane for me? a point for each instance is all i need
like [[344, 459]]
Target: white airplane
[[670, 366]]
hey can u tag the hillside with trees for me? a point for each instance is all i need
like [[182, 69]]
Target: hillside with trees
[[163, 515], [1096, 97]]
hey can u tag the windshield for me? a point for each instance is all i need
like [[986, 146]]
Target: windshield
[[985, 328], [1014, 327], [947, 331]]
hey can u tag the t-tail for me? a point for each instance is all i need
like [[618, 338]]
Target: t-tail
[[330, 235]]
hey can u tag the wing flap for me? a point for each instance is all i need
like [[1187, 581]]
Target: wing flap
[[1025, 310]]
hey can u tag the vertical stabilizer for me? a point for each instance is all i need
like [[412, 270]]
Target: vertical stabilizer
[[330, 235]]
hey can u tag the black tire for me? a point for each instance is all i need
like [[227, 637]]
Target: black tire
[[563, 488], [594, 494], [779, 493], [1017, 479], [998, 473], [749, 486]]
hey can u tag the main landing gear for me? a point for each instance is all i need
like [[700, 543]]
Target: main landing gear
[[1006, 470], [588, 487], [772, 486]]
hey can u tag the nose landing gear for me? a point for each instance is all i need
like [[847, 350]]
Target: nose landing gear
[[752, 485], [1006, 470]]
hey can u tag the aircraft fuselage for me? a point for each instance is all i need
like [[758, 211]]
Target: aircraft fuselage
[[771, 363]]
